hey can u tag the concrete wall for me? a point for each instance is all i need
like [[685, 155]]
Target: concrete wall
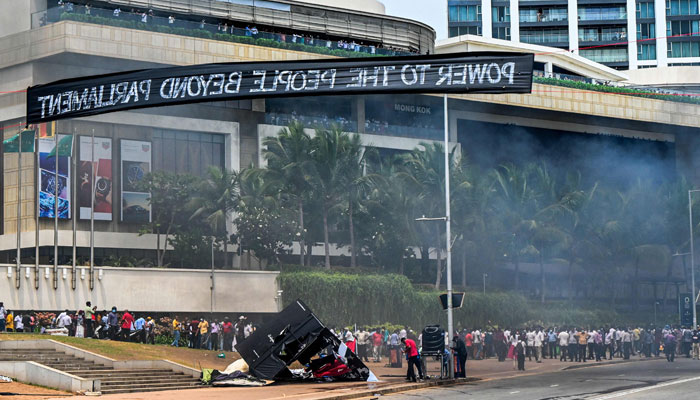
[[370, 6], [142, 289], [37, 374]]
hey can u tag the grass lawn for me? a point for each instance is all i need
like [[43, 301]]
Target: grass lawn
[[133, 351]]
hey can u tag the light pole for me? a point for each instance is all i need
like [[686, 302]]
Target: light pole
[[656, 303], [484, 277], [692, 254]]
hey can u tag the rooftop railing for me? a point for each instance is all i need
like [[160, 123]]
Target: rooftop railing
[[299, 41]]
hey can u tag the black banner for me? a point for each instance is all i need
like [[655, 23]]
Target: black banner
[[440, 73]]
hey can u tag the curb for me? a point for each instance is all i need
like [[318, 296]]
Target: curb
[[600, 364], [400, 388]]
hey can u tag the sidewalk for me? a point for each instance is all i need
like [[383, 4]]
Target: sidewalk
[[391, 381]]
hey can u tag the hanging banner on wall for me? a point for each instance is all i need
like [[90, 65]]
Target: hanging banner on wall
[[440, 73], [48, 182], [102, 168], [135, 164]]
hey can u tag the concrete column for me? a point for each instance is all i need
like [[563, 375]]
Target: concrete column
[[359, 113], [572, 15], [486, 19], [661, 44], [548, 70], [632, 33], [515, 20]]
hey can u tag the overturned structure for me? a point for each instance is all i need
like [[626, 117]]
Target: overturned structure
[[297, 335]]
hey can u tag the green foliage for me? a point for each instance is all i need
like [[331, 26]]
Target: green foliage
[[340, 299], [614, 89]]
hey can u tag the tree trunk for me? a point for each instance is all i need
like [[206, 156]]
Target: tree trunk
[[301, 229], [309, 253], [425, 258], [401, 265], [353, 260], [326, 240], [159, 254], [571, 280], [464, 268], [543, 279], [517, 274]]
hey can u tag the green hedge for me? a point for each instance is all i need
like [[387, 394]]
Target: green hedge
[[200, 33], [342, 299], [618, 90]]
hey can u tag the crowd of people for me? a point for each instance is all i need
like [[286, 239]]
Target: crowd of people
[[88, 322], [571, 344], [217, 26]]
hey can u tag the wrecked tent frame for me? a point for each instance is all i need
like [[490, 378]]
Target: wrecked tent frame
[[295, 334]]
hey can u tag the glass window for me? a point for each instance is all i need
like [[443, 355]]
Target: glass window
[[605, 55], [187, 152], [646, 52], [645, 10], [681, 7], [592, 13], [646, 31], [683, 49], [454, 15], [500, 14]]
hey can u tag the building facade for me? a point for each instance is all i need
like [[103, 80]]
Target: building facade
[[623, 34]]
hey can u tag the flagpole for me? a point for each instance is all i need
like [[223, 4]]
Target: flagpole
[[72, 196], [55, 214], [92, 211], [19, 213], [37, 177]]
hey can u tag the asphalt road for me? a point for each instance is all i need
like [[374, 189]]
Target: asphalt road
[[643, 380]]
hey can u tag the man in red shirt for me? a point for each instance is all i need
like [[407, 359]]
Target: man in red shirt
[[412, 357], [127, 321], [377, 339], [469, 341], [227, 329]]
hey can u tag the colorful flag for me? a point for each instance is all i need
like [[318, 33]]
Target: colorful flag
[[11, 145], [46, 130], [65, 147]]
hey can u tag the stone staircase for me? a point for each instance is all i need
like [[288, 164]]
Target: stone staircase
[[112, 380]]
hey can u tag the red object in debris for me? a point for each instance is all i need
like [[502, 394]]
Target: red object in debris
[[352, 345], [336, 368]]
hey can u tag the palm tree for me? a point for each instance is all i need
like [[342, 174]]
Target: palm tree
[[218, 198], [424, 169], [515, 204], [355, 161], [328, 155], [288, 158]]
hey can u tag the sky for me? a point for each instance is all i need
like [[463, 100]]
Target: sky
[[431, 12]]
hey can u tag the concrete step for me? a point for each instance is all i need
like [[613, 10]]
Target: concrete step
[[70, 366], [123, 372], [38, 358], [136, 389], [142, 382]]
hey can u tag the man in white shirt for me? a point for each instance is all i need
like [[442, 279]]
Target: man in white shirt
[[478, 344], [563, 344], [539, 342], [609, 343], [2, 317], [19, 326], [403, 334], [530, 343]]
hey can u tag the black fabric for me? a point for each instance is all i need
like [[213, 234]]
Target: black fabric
[[433, 340], [486, 72]]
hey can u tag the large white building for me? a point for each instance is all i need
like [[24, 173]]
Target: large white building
[[623, 34]]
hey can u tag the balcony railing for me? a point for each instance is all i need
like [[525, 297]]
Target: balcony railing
[[299, 41], [544, 38]]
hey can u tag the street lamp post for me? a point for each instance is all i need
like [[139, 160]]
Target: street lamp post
[[692, 255], [656, 303], [484, 277], [448, 236]]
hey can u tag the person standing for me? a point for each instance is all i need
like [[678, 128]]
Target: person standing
[[19, 325], [227, 329], [150, 331], [627, 343], [478, 344], [89, 319], [539, 344], [113, 323], [203, 330], [670, 346], [582, 343], [127, 324], [563, 344], [412, 357], [3, 315], [140, 329], [460, 350], [214, 336], [573, 345], [377, 340], [500, 342], [687, 341], [696, 343], [552, 343], [591, 343], [469, 342], [177, 327], [530, 337], [520, 355]]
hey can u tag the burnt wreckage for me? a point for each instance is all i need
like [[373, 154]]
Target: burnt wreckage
[[296, 334]]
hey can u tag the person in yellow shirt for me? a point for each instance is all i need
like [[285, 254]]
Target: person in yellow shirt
[[582, 342], [10, 322], [203, 337], [177, 327]]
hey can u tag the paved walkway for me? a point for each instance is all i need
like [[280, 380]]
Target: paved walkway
[[391, 379]]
